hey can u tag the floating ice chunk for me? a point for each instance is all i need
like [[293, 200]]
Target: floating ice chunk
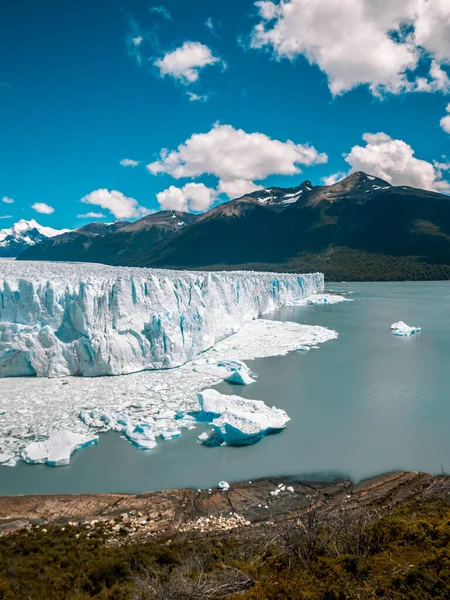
[[204, 437], [223, 485], [6, 460], [233, 371], [56, 450], [141, 436], [401, 329], [171, 435], [238, 421], [320, 299]]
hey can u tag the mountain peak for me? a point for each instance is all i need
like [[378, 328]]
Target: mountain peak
[[24, 234]]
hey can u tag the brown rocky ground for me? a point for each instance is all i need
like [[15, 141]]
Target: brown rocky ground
[[244, 504]]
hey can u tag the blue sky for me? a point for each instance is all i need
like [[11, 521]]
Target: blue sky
[[85, 85]]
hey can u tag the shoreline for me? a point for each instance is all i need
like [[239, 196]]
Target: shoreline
[[264, 500]]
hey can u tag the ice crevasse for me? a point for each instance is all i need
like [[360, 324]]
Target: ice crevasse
[[59, 319]]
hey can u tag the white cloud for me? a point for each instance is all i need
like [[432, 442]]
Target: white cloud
[[91, 215], [128, 162], [196, 98], [237, 188], [193, 196], [334, 178], [5, 216], [209, 23], [233, 155], [7, 200], [117, 203], [137, 41], [185, 62], [445, 121], [354, 42], [161, 10], [394, 161], [43, 208]]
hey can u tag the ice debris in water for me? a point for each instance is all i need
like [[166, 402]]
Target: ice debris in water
[[223, 485], [237, 421], [401, 329], [6, 460], [233, 371], [162, 399], [56, 450], [320, 299], [59, 319]]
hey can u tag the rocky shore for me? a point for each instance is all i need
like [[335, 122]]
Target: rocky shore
[[242, 505]]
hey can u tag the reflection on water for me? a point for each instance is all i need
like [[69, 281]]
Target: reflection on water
[[366, 403]]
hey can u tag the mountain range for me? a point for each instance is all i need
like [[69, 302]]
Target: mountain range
[[23, 235], [361, 228]]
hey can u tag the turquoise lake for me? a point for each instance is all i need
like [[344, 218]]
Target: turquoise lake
[[364, 404]]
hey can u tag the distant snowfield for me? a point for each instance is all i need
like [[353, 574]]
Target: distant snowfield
[[156, 401]]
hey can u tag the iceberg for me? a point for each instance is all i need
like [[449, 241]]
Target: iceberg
[[59, 319], [401, 329], [57, 449], [237, 421]]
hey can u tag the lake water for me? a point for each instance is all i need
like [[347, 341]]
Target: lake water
[[364, 404]]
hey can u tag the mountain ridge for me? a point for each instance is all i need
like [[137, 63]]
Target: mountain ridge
[[360, 228]]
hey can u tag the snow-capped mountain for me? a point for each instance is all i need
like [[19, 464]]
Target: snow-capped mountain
[[23, 235]]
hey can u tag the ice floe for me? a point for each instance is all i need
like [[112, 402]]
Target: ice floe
[[401, 329], [237, 421], [57, 448], [320, 299]]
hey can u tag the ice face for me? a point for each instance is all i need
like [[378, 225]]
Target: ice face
[[237, 421], [161, 399], [401, 329], [59, 319]]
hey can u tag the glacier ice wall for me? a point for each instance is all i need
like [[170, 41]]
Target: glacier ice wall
[[59, 319]]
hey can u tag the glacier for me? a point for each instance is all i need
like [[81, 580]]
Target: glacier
[[61, 319]]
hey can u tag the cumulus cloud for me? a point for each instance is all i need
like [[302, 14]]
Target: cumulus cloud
[[191, 197], [237, 188], [186, 62], [91, 215], [43, 208], [236, 158], [394, 161], [128, 162], [137, 41], [378, 43], [445, 121], [117, 203], [334, 178], [7, 200]]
